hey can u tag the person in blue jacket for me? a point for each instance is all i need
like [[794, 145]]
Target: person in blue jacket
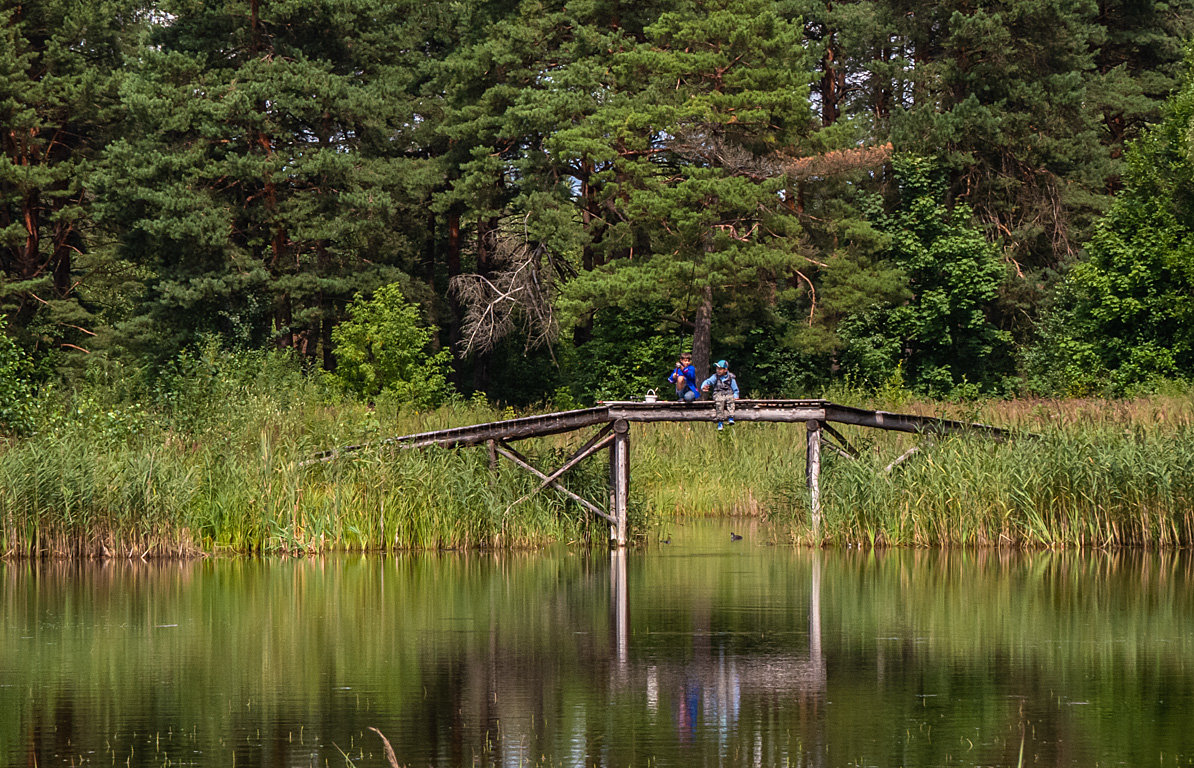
[[724, 386], [684, 379]]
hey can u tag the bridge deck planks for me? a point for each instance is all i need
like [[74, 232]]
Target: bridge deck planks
[[777, 411]]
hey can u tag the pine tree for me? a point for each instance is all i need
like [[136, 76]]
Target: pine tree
[[1138, 64], [1001, 93], [490, 138], [687, 148], [59, 68], [524, 196], [273, 166]]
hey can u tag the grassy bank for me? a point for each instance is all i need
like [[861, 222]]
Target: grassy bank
[[213, 462], [211, 459], [1098, 474]]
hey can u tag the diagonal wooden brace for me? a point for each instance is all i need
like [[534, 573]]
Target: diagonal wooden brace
[[505, 450], [591, 446], [907, 455], [594, 444], [837, 449], [845, 448]]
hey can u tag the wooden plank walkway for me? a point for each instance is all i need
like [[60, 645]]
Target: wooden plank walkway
[[790, 411], [615, 418]]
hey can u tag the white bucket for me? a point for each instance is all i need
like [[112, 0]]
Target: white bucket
[[650, 397]]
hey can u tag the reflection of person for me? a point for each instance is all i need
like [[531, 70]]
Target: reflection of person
[[688, 710], [684, 378], [725, 391]]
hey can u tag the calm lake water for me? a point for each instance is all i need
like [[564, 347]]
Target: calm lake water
[[700, 652]]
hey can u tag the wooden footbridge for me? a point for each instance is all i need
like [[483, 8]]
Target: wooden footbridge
[[613, 420]]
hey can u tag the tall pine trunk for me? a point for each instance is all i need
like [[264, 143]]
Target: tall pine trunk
[[832, 83], [454, 309], [702, 333]]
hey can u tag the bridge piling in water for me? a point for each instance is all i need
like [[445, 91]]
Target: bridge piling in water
[[812, 472], [619, 468]]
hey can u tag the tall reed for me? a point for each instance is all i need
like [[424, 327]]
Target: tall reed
[[217, 462], [1076, 485], [211, 457]]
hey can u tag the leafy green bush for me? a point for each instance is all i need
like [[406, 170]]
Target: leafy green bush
[[942, 335], [383, 348], [626, 355], [16, 390]]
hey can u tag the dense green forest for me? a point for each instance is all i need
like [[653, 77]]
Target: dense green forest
[[545, 201]]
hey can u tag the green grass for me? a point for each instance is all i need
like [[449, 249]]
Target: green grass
[[212, 459], [1115, 474], [218, 465]]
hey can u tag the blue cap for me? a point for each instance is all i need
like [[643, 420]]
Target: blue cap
[[722, 364]]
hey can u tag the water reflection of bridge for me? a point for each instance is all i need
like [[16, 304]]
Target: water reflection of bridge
[[613, 420], [711, 687]]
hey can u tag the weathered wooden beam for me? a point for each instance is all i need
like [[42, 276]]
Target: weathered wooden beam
[[520, 460], [906, 455], [813, 472], [513, 429], [620, 470], [702, 410], [785, 402], [845, 449], [905, 422], [476, 434]]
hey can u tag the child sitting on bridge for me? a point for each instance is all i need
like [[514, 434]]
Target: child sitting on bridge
[[684, 378], [725, 391]]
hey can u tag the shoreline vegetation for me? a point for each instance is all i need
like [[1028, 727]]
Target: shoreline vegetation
[[209, 460], [231, 241]]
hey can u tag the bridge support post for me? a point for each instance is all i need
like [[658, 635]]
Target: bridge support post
[[619, 487], [813, 472]]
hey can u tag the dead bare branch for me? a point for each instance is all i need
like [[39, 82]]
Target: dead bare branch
[[812, 310], [517, 295], [836, 162], [707, 144]]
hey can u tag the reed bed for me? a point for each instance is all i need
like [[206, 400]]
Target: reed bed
[[69, 498], [217, 463], [212, 458], [1105, 482], [692, 469]]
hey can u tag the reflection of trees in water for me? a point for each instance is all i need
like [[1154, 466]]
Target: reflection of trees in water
[[578, 690], [51, 729], [499, 660]]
